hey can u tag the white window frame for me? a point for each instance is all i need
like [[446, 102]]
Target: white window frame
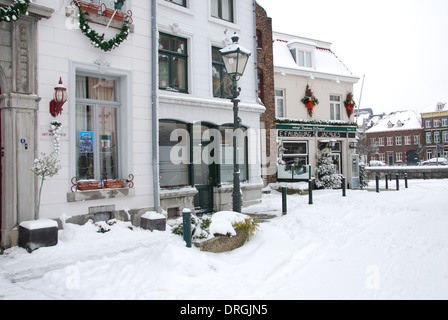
[[398, 140], [416, 139], [280, 98], [335, 107], [407, 140], [428, 123], [428, 137], [390, 141], [436, 123], [381, 141], [124, 116], [444, 122], [398, 157], [445, 136]]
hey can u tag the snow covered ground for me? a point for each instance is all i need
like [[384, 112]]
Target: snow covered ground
[[392, 245]]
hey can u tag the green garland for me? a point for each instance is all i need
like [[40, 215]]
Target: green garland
[[96, 39], [12, 12]]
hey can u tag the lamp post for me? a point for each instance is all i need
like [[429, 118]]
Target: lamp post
[[235, 58]]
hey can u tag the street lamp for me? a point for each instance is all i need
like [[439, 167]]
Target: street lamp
[[235, 58]]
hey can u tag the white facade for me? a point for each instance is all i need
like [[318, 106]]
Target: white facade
[[64, 51], [202, 31], [300, 62]]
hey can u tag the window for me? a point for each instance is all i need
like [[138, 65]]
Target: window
[[390, 141], [436, 123], [407, 140], [302, 58], [444, 122], [173, 66], [279, 103], [428, 123], [174, 134], [259, 39], [399, 157], [182, 3], [226, 167], [110, 4], [445, 136], [382, 157], [428, 137], [436, 137], [335, 107], [381, 142], [416, 139], [373, 140], [222, 83], [295, 152], [428, 154], [223, 9], [260, 85], [97, 123], [398, 140]]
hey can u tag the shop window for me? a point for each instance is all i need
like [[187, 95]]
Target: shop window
[[226, 169]]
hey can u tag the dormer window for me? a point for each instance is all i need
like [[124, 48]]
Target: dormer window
[[390, 125], [399, 124], [440, 106], [302, 58]]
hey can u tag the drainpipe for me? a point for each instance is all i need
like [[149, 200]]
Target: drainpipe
[[256, 51], [155, 143]]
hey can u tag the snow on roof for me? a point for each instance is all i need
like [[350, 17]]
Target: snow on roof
[[325, 60], [439, 106], [396, 121]]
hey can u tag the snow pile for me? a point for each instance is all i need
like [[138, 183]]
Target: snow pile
[[223, 222], [391, 245]]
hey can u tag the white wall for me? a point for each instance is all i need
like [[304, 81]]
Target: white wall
[[62, 50]]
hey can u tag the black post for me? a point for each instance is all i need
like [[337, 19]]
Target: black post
[[344, 188], [377, 178], [186, 219], [406, 180], [284, 201], [310, 191], [387, 183], [236, 166], [397, 178]]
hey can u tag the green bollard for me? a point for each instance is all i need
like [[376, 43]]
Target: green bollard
[[397, 179], [377, 178], [406, 180], [310, 191], [344, 188], [186, 216], [387, 183], [284, 201]]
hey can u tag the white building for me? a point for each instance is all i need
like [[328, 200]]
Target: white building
[[122, 107], [305, 129]]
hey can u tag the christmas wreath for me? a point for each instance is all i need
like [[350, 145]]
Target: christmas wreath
[[349, 104], [309, 100], [98, 40], [12, 12]]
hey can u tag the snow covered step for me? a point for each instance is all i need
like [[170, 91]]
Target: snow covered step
[[153, 221]]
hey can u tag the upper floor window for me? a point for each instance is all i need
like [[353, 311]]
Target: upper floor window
[[444, 122], [279, 103], [182, 3], [428, 123], [302, 58], [222, 9], [436, 123], [259, 39], [335, 107], [222, 83], [173, 63]]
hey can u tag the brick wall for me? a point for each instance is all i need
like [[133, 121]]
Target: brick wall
[[266, 78]]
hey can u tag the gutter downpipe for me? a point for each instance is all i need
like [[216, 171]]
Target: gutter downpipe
[[256, 52], [155, 158]]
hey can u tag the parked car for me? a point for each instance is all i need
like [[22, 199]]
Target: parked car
[[434, 161], [376, 163]]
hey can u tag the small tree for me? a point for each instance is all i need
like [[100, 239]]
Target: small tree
[[46, 166], [327, 176]]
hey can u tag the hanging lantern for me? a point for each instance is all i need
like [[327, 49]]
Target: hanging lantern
[[60, 97]]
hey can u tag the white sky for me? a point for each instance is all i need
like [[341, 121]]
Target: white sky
[[400, 45]]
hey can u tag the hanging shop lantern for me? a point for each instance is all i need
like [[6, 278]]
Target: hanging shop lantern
[[60, 97]]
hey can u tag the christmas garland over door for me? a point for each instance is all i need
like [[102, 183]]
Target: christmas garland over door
[[12, 12]]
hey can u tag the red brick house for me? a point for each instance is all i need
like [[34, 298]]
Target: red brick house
[[398, 137]]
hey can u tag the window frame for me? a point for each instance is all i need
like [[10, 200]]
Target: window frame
[[222, 75], [171, 55], [220, 11], [335, 107], [184, 2], [283, 98]]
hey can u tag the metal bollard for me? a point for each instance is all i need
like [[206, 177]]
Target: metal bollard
[[387, 183], [344, 188], [377, 178], [406, 180], [186, 216], [397, 178], [284, 201], [310, 191]]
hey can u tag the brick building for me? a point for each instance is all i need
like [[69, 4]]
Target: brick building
[[398, 137], [435, 131], [265, 61]]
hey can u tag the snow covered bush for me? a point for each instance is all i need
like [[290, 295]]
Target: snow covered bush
[[326, 173], [46, 166], [363, 181]]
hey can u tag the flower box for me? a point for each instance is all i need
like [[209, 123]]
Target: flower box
[[118, 16], [85, 185], [90, 7], [113, 184]]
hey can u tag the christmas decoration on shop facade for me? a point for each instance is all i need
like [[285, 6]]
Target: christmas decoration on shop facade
[[310, 101], [98, 40], [350, 105], [12, 12]]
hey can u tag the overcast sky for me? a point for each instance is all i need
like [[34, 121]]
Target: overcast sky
[[401, 46]]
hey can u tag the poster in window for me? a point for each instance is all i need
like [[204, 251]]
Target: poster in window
[[86, 142], [106, 139]]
